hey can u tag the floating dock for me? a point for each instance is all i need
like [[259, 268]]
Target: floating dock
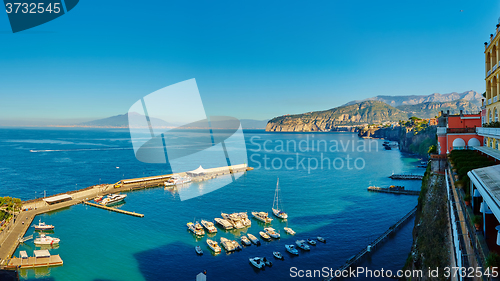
[[42, 258], [394, 190], [406, 177], [114, 209]]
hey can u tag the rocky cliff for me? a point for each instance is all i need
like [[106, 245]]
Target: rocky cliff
[[360, 113]]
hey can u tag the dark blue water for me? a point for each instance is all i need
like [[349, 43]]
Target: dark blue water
[[99, 245]]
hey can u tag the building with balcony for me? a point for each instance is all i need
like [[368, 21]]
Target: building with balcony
[[458, 132], [492, 73]]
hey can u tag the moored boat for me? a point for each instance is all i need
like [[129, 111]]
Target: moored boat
[[196, 228], [310, 241], [224, 223], [177, 180], [227, 244], [245, 241], [302, 244], [262, 216], [291, 249], [209, 226], [213, 245], [264, 235], [253, 239], [289, 231], [278, 255], [42, 226], [46, 240], [257, 262], [321, 239], [112, 199], [198, 250], [244, 219], [271, 232], [277, 205]]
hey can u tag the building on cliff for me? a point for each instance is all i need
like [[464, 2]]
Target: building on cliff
[[458, 132]]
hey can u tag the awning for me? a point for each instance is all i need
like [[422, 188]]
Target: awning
[[41, 253], [23, 254], [495, 153], [198, 171], [58, 198], [487, 182]]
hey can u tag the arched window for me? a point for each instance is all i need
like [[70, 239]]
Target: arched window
[[490, 117], [496, 115]]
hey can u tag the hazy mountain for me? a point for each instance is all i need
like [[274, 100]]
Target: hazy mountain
[[431, 109], [253, 124], [121, 121], [371, 112], [472, 96]]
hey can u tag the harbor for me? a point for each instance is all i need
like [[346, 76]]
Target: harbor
[[14, 233], [406, 177]]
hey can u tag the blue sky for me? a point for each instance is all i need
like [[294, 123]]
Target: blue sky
[[251, 59]]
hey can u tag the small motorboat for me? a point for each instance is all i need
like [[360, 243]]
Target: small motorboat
[[46, 240], [271, 232], [291, 249], [98, 199], [245, 241], [42, 226], [265, 236], [257, 262], [267, 262], [310, 241], [321, 239], [214, 246], [289, 231], [278, 255], [302, 244], [198, 250], [253, 239], [196, 228]]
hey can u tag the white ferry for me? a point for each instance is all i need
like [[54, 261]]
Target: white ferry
[[113, 199]]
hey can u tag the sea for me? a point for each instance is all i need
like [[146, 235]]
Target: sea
[[323, 179]]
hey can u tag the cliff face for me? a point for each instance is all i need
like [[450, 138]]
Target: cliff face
[[431, 242], [418, 142], [371, 112], [432, 109], [393, 134]]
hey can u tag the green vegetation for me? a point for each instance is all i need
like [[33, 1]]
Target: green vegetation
[[467, 160], [493, 260], [432, 149], [492, 125], [477, 220]]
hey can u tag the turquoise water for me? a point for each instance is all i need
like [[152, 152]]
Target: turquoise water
[[102, 245]]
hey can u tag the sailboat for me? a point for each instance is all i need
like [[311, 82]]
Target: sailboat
[[277, 210]]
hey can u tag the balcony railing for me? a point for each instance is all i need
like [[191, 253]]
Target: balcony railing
[[494, 132], [489, 73], [489, 101], [441, 130], [461, 130], [495, 98]]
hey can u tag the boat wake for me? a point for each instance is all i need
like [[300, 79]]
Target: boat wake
[[80, 149]]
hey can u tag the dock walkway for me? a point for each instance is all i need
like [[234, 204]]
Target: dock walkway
[[356, 258], [394, 191], [114, 209]]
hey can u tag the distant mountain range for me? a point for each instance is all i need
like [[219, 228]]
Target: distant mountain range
[[395, 101], [377, 110], [122, 121]]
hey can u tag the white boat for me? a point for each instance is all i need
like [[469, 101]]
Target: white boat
[[262, 216], [46, 240], [196, 228], [177, 180], [244, 219], [198, 250], [257, 262], [227, 244], [277, 205], [291, 249], [253, 239], [321, 239], [302, 244], [271, 232], [42, 226], [234, 219], [209, 226], [113, 199], [245, 241], [278, 255], [264, 235], [224, 223], [236, 245], [213, 245], [289, 231], [310, 241]]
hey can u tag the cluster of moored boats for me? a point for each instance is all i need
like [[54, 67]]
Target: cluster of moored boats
[[44, 239]]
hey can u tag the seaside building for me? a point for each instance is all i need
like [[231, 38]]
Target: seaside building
[[458, 132]]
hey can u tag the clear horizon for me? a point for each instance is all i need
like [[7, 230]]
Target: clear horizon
[[251, 61]]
